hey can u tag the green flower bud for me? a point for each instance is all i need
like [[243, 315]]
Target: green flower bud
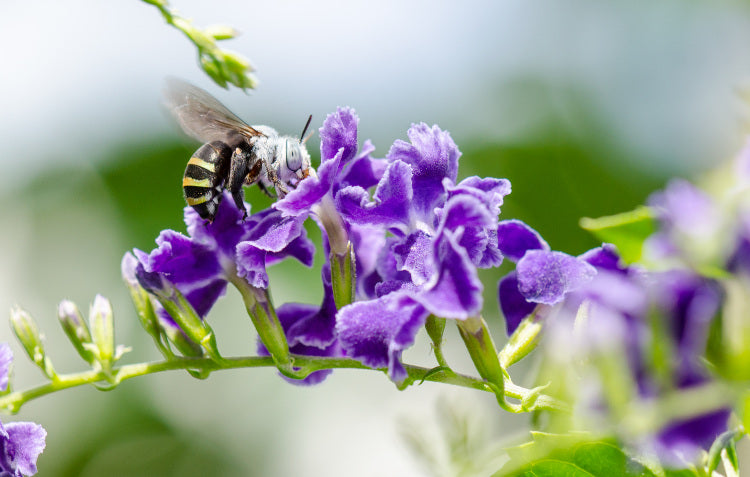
[[221, 32], [101, 321], [75, 328], [27, 332]]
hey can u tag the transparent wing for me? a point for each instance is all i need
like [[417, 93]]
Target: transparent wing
[[201, 115]]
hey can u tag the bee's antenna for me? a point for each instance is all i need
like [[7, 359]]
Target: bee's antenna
[[302, 137]]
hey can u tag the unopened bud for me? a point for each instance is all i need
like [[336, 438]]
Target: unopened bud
[[220, 32], [27, 332], [141, 300], [101, 321], [75, 328]]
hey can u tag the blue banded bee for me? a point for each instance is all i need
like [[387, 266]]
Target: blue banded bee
[[235, 154]]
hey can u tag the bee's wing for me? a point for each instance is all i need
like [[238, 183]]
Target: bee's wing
[[201, 115]]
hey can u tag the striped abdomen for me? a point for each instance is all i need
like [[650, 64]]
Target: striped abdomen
[[204, 177]]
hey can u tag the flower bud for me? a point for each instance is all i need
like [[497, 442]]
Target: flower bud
[[75, 328], [101, 321], [143, 307], [523, 340], [27, 332], [154, 282], [210, 65], [220, 32]]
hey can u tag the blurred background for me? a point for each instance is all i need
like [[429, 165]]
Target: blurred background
[[585, 106]]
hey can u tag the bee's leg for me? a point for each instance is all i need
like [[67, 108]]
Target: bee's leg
[[253, 177], [266, 191], [237, 173], [273, 177]]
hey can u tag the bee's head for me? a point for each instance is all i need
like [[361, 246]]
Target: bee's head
[[297, 158]]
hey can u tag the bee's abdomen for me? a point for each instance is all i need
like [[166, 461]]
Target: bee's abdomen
[[204, 177]]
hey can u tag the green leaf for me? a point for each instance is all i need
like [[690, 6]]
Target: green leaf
[[627, 231], [571, 455]]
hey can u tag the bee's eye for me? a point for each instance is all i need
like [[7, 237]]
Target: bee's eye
[[293, 156]]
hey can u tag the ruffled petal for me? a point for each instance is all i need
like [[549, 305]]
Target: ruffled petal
[[376, 332], [433, 156], [391, 202], [22, 446], [456, 291], [514, 238], [339, 133], [546, 277], [312, 189]]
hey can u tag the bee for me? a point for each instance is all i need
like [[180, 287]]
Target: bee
[[234, 154]]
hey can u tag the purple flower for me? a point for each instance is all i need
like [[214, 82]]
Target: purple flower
[[622, 303], [20, 442], [441, 233], [689, 219], [541, 276], [200, 265]]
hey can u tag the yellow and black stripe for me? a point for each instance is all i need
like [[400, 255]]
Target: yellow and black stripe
[[204, 175]]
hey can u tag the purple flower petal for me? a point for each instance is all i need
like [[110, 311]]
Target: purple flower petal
[[474, 227], [456, 291], [391, 202], [251, 264], [683, 442], [20, 446], [685, 209], [6, 359], [433, 156], [204, 297], [465, 211], [546, 277], [514, 238], [310, 190], [339, 132], [364, 171], [489, 190], [690, 303], [274, 232], [605, 258], [227, 229], [300, 248], [513, 305], [415, 255], [491, 256], [367, 243], [180, 259], [376, 332]]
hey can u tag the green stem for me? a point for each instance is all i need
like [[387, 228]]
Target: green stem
[[263, 315], [12, 402]]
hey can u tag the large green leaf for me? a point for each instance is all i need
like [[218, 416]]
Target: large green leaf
[[574, 455]]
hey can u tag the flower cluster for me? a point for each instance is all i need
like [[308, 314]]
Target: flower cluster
[[404, 239]]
